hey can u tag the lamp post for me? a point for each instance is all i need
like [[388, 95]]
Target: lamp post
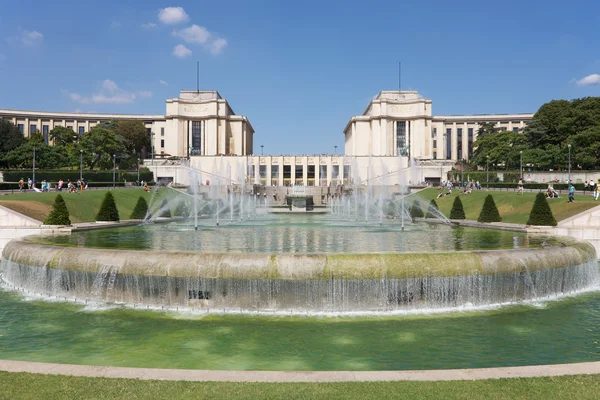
[[487, 169], [80, 164], [335, 149], [261, 149], [114, 168], [521, 165], [33, 178], [138, 168], [569, 182], [155, 168]]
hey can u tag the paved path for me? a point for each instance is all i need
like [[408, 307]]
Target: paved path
[[299, 376]]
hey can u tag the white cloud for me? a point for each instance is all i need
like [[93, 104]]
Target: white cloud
[[216, 47], [149, 25], [163, 82], [180, 51], [109, 93], [593, 79], [196, 34], [26, 38], [172, 15]]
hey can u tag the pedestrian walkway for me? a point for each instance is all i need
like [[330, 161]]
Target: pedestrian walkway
[[589, 368]]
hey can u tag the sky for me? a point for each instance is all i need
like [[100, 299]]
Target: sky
[[299, 70]]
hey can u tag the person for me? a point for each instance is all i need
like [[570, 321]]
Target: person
[[571, 193], [592, 186], [29, 183], [22, 185], [520, 186], [81, 184], [146, 188], [597, 190], [60, 185], [585, 187]]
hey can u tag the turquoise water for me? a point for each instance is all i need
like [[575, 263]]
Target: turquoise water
[[297, 234], [556, 332]]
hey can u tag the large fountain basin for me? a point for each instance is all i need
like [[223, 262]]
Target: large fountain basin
[[302, 283]]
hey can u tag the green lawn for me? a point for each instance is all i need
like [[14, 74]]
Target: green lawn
[[513, 208], [32, 386], [82, 206]]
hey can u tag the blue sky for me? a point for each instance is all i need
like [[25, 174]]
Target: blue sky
[[297, 69]]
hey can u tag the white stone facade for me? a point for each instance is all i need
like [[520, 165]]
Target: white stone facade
[[397, 128]]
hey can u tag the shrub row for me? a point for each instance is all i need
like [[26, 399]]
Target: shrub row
[[92, 176]]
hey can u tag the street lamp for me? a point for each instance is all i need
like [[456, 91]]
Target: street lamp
[[521, 165], [80, 165], [261, 149], [33, 179], [569, 182], [335, 148], [114, 168], [155, 168], [138, 168], [487, 169]]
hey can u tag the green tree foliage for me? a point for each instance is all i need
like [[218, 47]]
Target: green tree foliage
[[140, 210], [502, 148], [62, 136], [489, 211], [99, 145], [457, 211], [46, 156], [59, 214], [133, 134], [541, 214], [182, 209], [431, 210], [108, 210], [10, 137], [165, 209], [416, 211]]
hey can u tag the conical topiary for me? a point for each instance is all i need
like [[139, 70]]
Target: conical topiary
[[140, 210], [108, 209], [416, 211], [165, 209], [489, 211], [181, 210], [541, 214], [457, 211], [59, 214], [431, 210]]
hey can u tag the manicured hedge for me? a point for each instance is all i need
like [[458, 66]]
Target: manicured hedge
[[92, 176]]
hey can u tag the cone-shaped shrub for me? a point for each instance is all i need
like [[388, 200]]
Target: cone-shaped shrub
[[431, 210], [489, 211], [166, 210], [108, 209], [541, 214], [457, 211], [181, 210], [59, 214], [416, 211], [140, 210]]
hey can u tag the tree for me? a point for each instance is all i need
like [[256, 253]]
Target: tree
[[502, 148], [489, 211], [457, 211], [486, 128], [46, 156], [108, 210], [133, 134], [62, 136], [140, 210], [165, 209], [59, 214], [10, 137], [541, 214], [99, 145], [416, 211], [181, 210], [432, 210]]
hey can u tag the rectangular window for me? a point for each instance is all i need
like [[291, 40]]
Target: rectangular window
[[434, 155], [323, 174], [287, 172], [70, 127], [21, 128], [310, 175], [162, 131], [347, 172], [434, 144], [196, 138], [32, 128], [470, 141], [45, 131], [448, 143], [81, 130], [459, 143], [335, 173], [162, 143], [149, 131], [274, 175], [401, 136], [502, 129], [299, 172], [515, 129], [434, 132], [251, 173], [262, 171]]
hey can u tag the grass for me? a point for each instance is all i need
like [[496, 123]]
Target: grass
[[513, 208], [33, 386], [82, 206]]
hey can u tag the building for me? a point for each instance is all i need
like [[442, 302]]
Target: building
[[397, 140]]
